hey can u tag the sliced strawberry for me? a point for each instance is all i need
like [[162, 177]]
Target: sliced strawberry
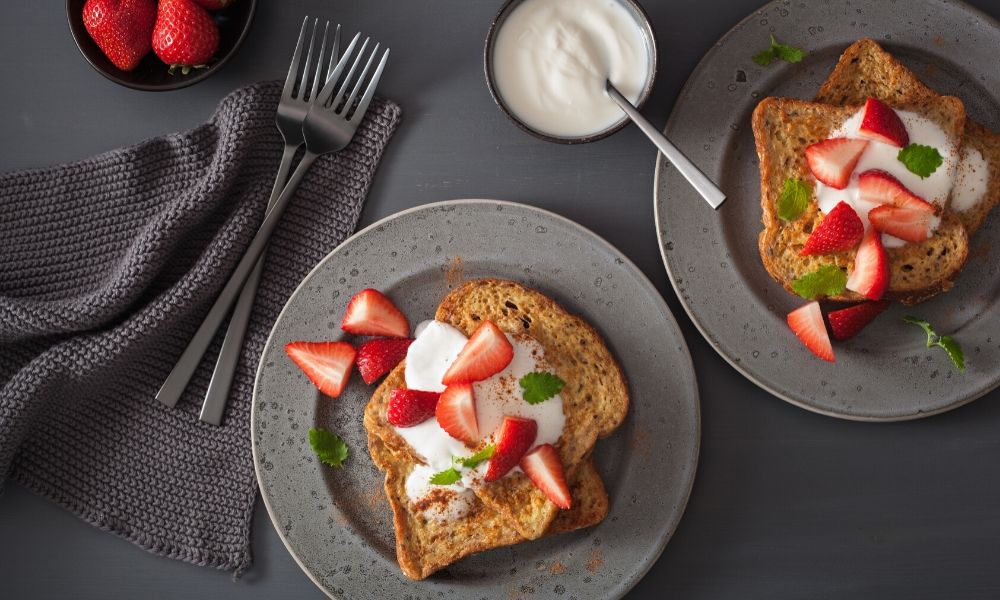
[[327, 364], [456, 412], [378, 357], [905, 223], [513, 439], [880, 123], [544, 468], [847, 322], [410, 407], [807, 324], [832, 161], [840, 230], [870, 276], [486, 353], [881, 187], [370, 312]]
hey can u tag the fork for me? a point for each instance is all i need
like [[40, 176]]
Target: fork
[[329, 126], [292, 109]]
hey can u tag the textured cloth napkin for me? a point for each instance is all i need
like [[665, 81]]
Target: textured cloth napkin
[[106, 268]]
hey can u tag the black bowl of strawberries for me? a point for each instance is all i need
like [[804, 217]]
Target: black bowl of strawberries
[[159, 45]]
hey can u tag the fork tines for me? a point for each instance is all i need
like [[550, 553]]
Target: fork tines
[[333, 93], [297, 82]]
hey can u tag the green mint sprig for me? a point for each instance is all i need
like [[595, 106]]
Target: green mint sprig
[[947, 343]]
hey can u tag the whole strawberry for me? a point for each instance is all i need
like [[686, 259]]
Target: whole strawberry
[[185, 35], [121, 28], [214, 4]]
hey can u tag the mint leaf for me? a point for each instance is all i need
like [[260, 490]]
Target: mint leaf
[[954, 351], [329, 448], [446, 477], [828, 280], [765, 57], [920, 160], [779, 51], [473, 461], [540, 386], [923, 325], [945, 342], [794, 199]]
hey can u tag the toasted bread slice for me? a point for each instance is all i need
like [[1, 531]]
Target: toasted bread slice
[[595, 399], [783, 128], [866, 69], [424, 546]]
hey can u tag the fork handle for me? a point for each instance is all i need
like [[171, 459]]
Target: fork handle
[[172, 388], [225, 364]]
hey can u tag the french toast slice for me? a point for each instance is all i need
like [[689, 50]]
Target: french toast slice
[[866, 69], [595, 399], [424, 546], [783, 128]]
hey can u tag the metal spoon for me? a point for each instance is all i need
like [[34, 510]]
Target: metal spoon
[[701, 183]]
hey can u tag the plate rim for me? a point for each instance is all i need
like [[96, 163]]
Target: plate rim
[[643, 280], [658, 172]]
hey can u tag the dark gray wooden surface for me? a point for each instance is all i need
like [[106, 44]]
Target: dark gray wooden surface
[[787, 504]]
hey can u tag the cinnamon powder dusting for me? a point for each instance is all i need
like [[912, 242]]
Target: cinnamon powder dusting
[[454, 272], [596, 560], [437, 499]]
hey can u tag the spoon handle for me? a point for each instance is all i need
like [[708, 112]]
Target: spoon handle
[[701, 183]]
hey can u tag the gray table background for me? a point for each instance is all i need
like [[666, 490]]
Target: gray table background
[[787, 504]]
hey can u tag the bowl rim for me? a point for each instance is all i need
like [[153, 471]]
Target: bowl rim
[[645, 24], [75, 31]]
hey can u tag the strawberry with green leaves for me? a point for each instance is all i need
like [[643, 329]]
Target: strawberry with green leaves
[[185, 35]]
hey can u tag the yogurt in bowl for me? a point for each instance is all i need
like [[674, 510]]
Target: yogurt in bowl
[[547, 62]]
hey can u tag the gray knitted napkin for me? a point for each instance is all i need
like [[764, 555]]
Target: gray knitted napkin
[[106, 269]]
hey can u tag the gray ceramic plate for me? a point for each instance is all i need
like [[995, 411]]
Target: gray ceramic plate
[[337, 523], [886, 373]]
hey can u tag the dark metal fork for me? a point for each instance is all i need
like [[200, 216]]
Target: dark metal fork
[[329, 126], [296, 97]]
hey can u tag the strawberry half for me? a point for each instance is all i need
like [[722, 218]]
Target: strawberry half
[[880, 123], [327, 364], [870, 276], [456, 413], [832, 161], [370, 312], [905, 223], [486, 353], [847, 322], [881, 187], [513, 439], [410, 407], [840, 230], [544, 468], [807, 324], [378, 357]]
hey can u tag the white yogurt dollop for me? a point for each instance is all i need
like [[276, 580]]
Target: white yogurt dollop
[[551, 59], [971, 181], [934, 189]]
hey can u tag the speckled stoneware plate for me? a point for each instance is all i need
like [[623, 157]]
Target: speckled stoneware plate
[[886, 373], [337, 523]]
